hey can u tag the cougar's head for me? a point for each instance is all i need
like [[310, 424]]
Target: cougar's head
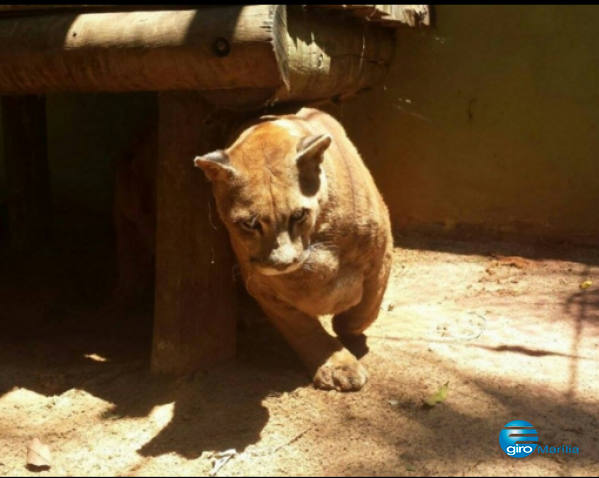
[[269, 186]]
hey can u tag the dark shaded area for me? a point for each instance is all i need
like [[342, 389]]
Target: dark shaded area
[[38, 469], [56, 301], [25, 151], [3, 225], [56, 317], [56, 325], [215, 411]]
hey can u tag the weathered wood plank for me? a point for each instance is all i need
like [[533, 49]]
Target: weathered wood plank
[[334, 59], [49, 9], [215, 48], [195, 313], [27, 173], [263, 57], [387, 15]]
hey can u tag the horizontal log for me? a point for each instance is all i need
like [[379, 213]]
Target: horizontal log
[[387, 15], [334, 57], [211, 48], [237, 57], [401, 14], [329, 58], [13, 8], [20, 10]]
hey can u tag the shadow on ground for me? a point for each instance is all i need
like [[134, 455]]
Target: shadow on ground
[[58, 336]]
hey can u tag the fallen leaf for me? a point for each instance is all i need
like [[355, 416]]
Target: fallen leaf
[[410, 468], [39, 454], [438, 397], [586, 284]]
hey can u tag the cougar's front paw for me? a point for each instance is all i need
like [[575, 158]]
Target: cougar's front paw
[[341, 372]]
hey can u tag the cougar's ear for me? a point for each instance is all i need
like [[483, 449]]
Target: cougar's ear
[[310, 151], [216, 166]]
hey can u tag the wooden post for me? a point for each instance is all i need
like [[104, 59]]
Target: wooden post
[[27, 172], [195, 314]]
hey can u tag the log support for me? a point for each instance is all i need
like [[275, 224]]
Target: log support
[[195, 308]]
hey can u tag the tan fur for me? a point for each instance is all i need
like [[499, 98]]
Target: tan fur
[[335, 260]]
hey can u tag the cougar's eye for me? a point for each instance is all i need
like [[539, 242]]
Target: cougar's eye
[[299, 216], [251, 224]]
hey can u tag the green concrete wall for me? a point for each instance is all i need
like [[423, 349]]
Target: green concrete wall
[[488, 122]]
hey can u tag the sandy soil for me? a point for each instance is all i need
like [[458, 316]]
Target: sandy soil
[[507, 326]]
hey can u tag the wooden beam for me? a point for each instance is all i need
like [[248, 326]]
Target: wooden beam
[[27, 173], [239, 57], [334, 59], [43, 8], [207, 49], [386, 15], [195, 313]]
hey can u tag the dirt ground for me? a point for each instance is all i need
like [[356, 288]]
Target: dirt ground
[[508, 327]]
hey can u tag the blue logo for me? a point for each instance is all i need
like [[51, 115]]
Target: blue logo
[[518, 439]]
